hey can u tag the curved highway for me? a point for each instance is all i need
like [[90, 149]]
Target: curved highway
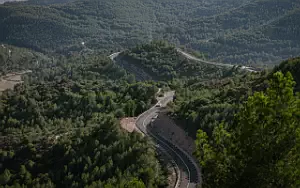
[[189, 171], [189, 56]]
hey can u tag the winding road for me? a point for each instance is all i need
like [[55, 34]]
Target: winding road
[[189, 170], [189, 173], [189, 56]]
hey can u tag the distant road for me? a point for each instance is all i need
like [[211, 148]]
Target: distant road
[[189, 170], [189, 56], [114, 55]]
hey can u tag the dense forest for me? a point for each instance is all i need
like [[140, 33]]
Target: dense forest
[[260, 148], [161, 61], [249, 32], [205, 104], [60, 128], [264, 31], [247, 125], [13, 59], [60, 120], [227, 110]]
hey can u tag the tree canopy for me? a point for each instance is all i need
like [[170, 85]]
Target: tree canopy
[[244, 32], [261, 147]]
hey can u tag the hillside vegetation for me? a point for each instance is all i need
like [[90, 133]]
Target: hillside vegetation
[[251, 31], [269, 40], [292, 66], [160, 60], [60, 124], [248, 127], [260, 147], [67, 110], [14, 59], [61, 129], [205, 104]]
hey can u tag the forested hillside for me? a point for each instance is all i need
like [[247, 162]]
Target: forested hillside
[[17, 59], [47, 2], [205, 104], [62, 96], [160, 60], [101, 24], [60, 128], [240, 32], [292, 66], [273, 38], [260, 147], [248, 127]]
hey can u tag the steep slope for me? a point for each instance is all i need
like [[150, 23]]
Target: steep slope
[[204, 105], [159, 60], [60, 127], [264, 31], [252, 15], [101, 23], [248, 31]]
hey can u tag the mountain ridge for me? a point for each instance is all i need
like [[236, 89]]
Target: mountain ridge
[[117, 25]]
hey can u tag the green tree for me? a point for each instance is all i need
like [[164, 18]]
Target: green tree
[[119, 113], [262, 147], [5, 177], [135, 183]]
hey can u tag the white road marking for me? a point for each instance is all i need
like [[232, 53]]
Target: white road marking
[[189, 173]]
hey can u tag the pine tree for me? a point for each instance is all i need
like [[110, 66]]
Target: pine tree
[[262, 147]]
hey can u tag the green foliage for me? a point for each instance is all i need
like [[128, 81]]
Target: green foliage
[[60, 128], [135, 184], [205, 104], [18, 59], [235, 31], [5, 177], [73, 97], [260, 31], [105, 156], [261, 147], [292, 66], [161, 61]]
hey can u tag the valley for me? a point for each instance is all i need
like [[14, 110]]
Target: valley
[[148, 93], [256, 33]]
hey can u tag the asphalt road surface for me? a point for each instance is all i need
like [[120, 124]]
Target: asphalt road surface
[[189, 171], [189, 56]]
